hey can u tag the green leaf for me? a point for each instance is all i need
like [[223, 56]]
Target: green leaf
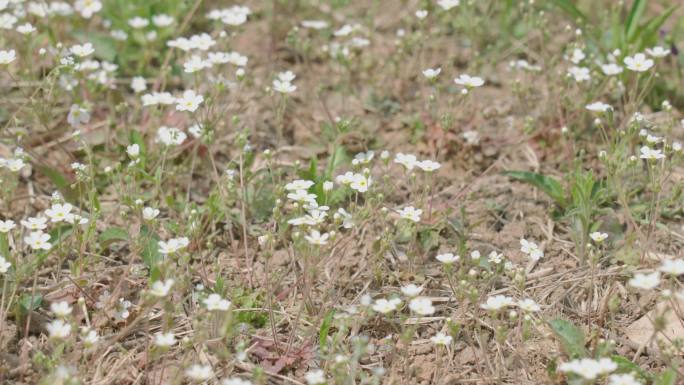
[[570, 9], [325, 328], [632, 22], [4, 247], [104, 46], [667, 377], [627, 366], [113, 234], [547, 184], [30, 303], [150, 247], [649, 32], [571, 337]]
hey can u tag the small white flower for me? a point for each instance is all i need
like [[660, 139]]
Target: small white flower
[[428, 165], [198, 372], [638, 63], [580, 74], [622, 379], [651, 154], [6, 226], [82, 50], [164, 340], [611, 69], [657, 51], [162, 20], [189, 102], [407, 160], [577, 56], [7, 57], [60, 309], [38, 240], [672, 266], [133, 150], [410, 213], [448, 4], [173, 245], [441, 339], [283, 87], [411, 290], [469, 81], [531, 249], [90, 337], [497, 302], [421, 14], [316, 238], [422, 306], [315, 24], [149, 213], [215, 302], [599, 107], [528, 305], [58, 329], [315, 377], [77, 116], [138, 22], [171, 136], [645, 281], [448, 258], [598, 236], [235, 381], [59, 212], [430, 73], [299, 184], [161, 288], [4, 265], [138, 84], [385, 306]]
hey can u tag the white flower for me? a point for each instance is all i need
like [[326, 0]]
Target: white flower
[[283, 87], [407, 160], [149, 213], [164, 340], [421, 14], [173, 245], [672, 266], [6, 226], [657, 51], [497, 302], [162, 20], [315, 24], [528, 305], [469, 81], [78, 115], [198, 372], [299, 184], [161, 288], [385, 306], [133, 150], [448, 4], [638, 63], [577, 56], [189, 102], [171, 136], [82, 50], [328, 186], [410, 213], [448, 258], [651, 154], [4, 265], [428, 165], [360, 183], [441, 339], [430, 73], [345, 30], [35, 223], [302, 196], [38, 240], [611, 69], [87, 7], [588, 368], [580, 74], [216, 302], [315, 377], [138, 22], [235, 381], [58, 329], [138, 84], [195, 64], [59, 212], [90, 337], [316, 238], [7, 57], [347, 220], [531, 249], [645, 281], [422, 306], [598, 236], [599, 107], [60, 309], [14, 165], [411, 290]]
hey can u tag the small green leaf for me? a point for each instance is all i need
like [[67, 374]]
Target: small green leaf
[[547, 184], [627, 366], [325, 328], [113, 234], [571, 337], [150, 247], [667, 377], [30, 303]]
